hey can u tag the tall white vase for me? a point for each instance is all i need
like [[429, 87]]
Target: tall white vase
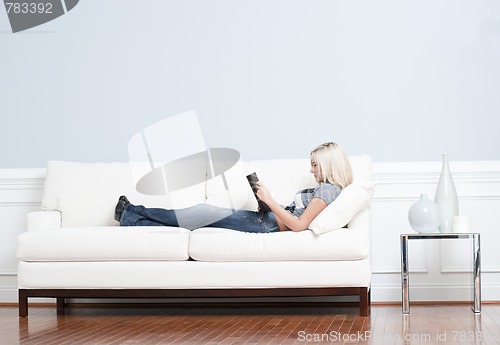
[[446, 197]]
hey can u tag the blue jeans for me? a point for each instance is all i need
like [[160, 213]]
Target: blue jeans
[[202, 215]]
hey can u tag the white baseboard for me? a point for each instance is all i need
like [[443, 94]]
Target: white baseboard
[[380, 294], [435, 293], [8, 295]]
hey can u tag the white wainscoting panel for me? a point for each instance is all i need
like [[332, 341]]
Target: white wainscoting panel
[[440, 270], [20, 193]]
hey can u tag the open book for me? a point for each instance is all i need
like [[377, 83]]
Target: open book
[[252, 179]]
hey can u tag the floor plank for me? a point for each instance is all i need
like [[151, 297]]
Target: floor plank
[[427, 324]]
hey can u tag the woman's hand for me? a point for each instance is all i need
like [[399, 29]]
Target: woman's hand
[[263, 193], [286, 220]]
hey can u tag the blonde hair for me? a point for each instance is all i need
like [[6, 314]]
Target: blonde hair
[[333, 163]]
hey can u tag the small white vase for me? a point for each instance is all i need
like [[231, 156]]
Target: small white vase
[[424, 215], [446, 197]]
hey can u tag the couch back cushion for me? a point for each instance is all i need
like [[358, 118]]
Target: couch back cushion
[[86, 193]]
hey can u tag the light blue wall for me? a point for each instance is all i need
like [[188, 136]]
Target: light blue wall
[[399, 80]]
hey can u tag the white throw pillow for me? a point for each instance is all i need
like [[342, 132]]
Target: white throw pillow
[[339, 213]]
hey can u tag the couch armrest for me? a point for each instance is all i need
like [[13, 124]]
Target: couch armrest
[[42, 220]]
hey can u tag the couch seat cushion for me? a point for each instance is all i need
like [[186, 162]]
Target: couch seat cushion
[[213, 244], [111, 243]]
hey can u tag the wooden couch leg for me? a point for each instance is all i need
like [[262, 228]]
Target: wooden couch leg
[[364, 301], [23, 303], [61, 303]]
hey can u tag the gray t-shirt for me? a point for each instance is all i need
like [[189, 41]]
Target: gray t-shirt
[[325, 191]]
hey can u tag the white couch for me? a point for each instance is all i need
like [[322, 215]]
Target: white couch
[[75, 249]]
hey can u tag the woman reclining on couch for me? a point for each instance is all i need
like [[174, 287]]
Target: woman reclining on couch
[[329, 165]]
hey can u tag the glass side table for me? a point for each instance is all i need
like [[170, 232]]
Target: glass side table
[[476, 252]]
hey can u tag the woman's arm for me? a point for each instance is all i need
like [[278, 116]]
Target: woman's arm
[[289, 220]]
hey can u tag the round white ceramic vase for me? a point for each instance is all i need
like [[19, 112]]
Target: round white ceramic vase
[[424, 215]]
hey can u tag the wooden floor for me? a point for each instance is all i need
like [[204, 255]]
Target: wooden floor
[[435, 324]]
